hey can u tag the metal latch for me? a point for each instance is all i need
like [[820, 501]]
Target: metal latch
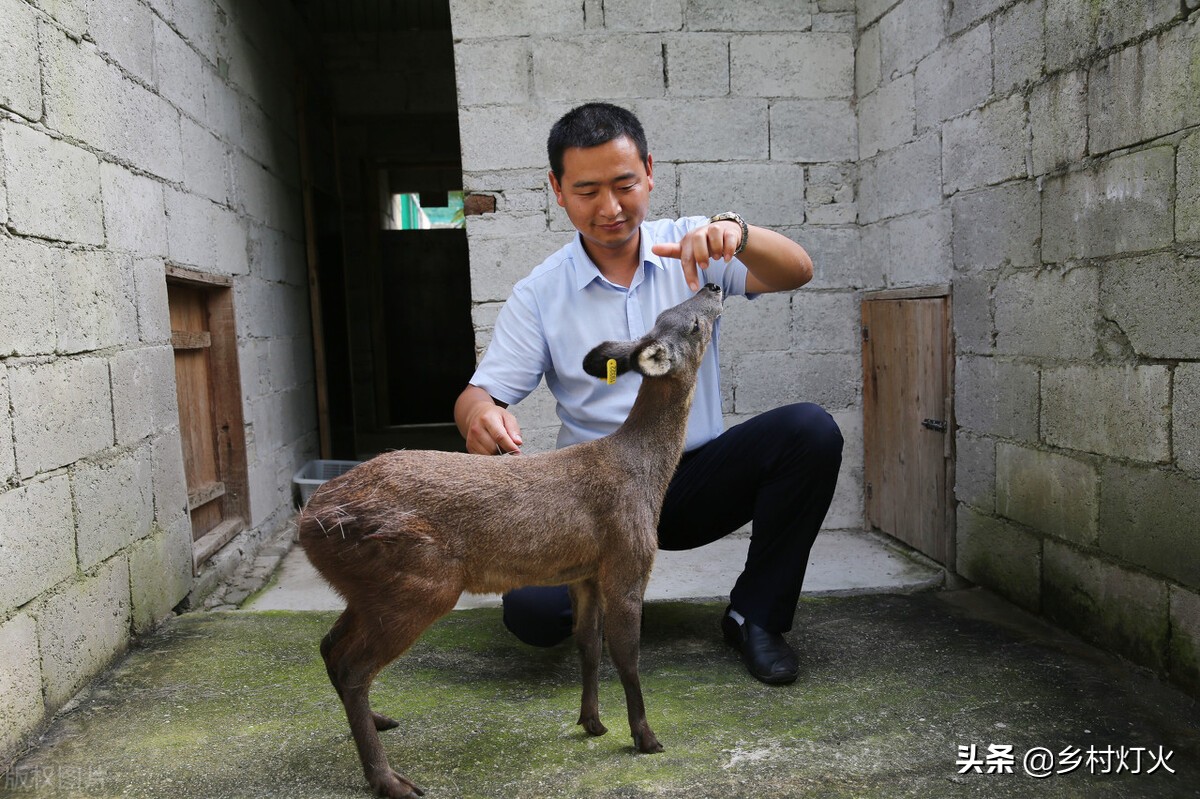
[[936, 425]]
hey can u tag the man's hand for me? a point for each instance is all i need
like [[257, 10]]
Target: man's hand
[[488, 428], [717, 240]]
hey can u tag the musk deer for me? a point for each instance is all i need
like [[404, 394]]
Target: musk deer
[[401, 536]]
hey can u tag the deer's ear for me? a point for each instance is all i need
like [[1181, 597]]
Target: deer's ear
[[654, 359], [595, 363]]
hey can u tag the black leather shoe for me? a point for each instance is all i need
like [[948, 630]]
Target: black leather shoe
[[767, 655]]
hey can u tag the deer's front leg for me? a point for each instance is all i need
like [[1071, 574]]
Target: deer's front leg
[[585, 605], [622, 626]]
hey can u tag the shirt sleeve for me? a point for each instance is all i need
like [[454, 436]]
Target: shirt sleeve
[[518, 354]]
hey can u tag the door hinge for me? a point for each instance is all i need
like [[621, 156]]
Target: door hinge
[[936, 425]]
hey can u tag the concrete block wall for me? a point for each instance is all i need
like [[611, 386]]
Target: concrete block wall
[[1041, 157], [133, 134], [747, 106]]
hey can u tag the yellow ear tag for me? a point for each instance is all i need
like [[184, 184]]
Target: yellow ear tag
[[612, 371]]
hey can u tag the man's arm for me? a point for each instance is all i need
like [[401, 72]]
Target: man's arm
[[774, 262], [489, 429]]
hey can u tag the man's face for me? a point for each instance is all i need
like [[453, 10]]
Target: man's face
[[605, 191]]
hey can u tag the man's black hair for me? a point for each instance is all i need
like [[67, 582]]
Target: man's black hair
[[590, 125]]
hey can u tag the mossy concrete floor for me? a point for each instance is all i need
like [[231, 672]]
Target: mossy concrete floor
[[237, 705]]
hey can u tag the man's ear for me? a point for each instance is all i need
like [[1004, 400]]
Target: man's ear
[[557, 188], [653, 360], [595, 363]]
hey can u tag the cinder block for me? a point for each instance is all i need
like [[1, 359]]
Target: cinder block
[[826, 321], [756, 326], [8, 461], [39, 539], [62, 411], [975, 471], [813, 130], [911, 30], [507, 136], [492, 71], [846, 509], [160, 575], [21, 707], [765, 15], [1018, 45], [871, 10], [997, 226], [143, 386], [955, 78], [267, 199], [1122, 610], [1047, 313], [1154, 301], [474, 19], [803, 66], [113, 505], [203, 25], [887, 117], [30, 272], [1146, 90], [766, 380], [124, 29], [135, 215], [999, 556], [640, 73], [767, 194], [829, 197], [1183, 663], [71, 14], [837, 258], [697, 65], [88, 99], [1058, 117], [95, 305], [1148, 519], [1051, 493], [20, 72], [82, 627], [1119, 411], [965, 13], [206, 163], [1185, 415], [168, 479], [642, 16], [685, 133], [867, 66], [497, 264], [901, 181], [205, 235], [53, 187], [994, 396], [985, 147], [1187, 188], [911, 250], [974, 328], [1122, 205], [153, 313]]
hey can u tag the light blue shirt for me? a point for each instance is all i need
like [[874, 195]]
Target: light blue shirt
[[565, 307]]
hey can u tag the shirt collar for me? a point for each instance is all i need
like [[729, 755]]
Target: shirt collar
[[586, 270]]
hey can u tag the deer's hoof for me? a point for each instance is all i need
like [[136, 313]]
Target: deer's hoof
[[593, 726], [646, 743], [395, 785]]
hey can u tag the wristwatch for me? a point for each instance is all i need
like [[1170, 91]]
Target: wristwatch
[[730, 216]]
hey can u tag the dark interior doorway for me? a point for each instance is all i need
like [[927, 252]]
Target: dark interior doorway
[[381, 150]]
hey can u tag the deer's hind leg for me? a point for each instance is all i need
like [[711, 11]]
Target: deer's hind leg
[[363, 641], [585, 606], [328, 643], [622, 627]]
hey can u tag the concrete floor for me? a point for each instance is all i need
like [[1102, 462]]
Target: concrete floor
[[842, 563]]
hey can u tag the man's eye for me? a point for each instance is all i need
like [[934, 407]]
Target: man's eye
[[630, 187]]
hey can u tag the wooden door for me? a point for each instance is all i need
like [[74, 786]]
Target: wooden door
[[210, 411], [907, 418]]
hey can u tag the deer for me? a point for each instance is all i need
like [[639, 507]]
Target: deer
[[401, 536]]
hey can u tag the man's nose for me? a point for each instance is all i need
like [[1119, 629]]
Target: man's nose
[[609, 204]]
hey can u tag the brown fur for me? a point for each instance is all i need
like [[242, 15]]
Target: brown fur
[[401, 536]]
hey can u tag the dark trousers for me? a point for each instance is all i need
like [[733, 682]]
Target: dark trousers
[[777, 470]]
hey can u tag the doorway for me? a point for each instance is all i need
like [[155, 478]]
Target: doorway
[[908, 425]]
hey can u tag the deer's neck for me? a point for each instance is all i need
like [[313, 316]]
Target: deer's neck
[[651, 440]]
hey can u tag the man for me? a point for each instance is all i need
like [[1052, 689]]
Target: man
[[777, 470]]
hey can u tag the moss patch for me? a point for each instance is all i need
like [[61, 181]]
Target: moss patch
[[238, 705]]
